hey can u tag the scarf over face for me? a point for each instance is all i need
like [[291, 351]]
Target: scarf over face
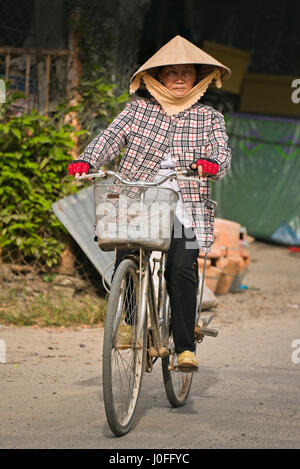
[[179, 51]]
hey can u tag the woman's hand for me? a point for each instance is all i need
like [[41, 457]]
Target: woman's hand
[[78, 168], [200, 170], [206, 167]]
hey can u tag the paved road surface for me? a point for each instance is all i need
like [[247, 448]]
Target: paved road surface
[[246, 394]]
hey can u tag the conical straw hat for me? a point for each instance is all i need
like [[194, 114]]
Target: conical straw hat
[[181, 51]]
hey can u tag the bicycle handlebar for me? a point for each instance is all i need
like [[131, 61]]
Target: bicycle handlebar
[[182, 175]]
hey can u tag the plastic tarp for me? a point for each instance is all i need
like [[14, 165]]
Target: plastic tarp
[[262, 188]]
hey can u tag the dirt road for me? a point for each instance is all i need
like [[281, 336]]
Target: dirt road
[[246, 394]]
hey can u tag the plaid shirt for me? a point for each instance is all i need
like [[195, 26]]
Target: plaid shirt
[[148, 133]]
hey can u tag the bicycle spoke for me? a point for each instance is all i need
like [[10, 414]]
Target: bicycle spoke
[[177, 384], [125, 361]]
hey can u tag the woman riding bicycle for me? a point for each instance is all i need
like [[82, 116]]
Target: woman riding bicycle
[[165, 126]]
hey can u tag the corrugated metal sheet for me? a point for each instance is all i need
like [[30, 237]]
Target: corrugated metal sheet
[[76, 213]]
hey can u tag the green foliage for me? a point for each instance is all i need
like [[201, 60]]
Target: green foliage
[[101, 97], [34, 153], [99, 105]]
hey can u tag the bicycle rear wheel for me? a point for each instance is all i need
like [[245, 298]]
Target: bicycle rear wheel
[[177, 383], [123, 351]]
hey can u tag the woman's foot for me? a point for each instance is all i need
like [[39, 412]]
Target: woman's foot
[[124, 336], [187, 360]]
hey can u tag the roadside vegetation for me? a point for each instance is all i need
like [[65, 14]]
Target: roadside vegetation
[[37, 302], [34, 154]]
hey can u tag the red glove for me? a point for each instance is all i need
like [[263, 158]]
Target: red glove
[[78, 166], [208, 166]]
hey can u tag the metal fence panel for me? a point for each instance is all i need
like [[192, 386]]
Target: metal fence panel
[[76, 213]]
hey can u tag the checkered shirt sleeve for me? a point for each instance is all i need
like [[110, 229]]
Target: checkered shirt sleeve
[[109, 143], [217, 147]]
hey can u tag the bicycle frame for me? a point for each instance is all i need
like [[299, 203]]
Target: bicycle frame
[[148, 334], [156, 301], [157, 311]]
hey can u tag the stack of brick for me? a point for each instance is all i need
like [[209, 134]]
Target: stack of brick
[[228, 260]]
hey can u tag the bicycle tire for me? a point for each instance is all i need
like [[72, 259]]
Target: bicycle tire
[[121, 395], [177, 384]]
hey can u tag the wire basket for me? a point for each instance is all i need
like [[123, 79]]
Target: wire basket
[[133, 218]]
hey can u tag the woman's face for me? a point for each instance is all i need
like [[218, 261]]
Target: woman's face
[[179, 79]]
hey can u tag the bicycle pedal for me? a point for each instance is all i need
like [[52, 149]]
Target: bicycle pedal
[[209, 332], [200, 332]]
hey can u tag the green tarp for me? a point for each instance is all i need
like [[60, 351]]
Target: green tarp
[[262, 189]]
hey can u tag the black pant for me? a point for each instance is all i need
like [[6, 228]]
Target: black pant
[[181, 284]]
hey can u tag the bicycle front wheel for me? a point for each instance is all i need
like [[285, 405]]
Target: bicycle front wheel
[[177, 383], [123, 351]]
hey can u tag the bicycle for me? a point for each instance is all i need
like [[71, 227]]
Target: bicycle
[[136, 309]]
